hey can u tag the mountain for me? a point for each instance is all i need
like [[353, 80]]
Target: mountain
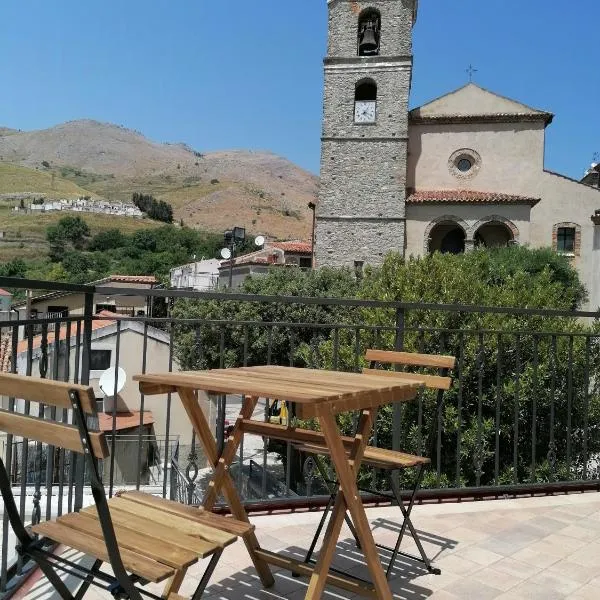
[[263, 192]]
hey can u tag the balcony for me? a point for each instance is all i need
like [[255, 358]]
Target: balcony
[[521, 431]]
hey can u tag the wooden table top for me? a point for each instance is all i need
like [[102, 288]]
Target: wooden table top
[[309, 388]]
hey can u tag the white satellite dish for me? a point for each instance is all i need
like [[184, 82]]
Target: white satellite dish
[[259, 240], [226, 253], [107, 381]]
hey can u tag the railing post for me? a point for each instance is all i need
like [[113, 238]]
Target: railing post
[[88, 313], [397, 409]]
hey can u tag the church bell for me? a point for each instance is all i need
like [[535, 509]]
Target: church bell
[[368, 44]]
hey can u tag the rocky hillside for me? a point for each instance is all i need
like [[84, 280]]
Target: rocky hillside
[[261, 191]]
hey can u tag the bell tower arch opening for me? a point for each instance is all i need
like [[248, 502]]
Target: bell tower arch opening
[[369, 32]]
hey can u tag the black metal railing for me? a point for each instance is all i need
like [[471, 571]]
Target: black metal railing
[[522, 416]]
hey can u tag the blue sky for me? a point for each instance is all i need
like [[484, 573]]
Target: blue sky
[[237, 74]]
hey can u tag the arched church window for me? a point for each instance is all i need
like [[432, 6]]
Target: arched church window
[[369, 27], [365, 101]]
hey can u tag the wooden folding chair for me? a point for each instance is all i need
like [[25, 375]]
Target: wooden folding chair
[[144, 538], [391, 461]]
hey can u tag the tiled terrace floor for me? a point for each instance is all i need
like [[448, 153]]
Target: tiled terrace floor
[[535, 548]]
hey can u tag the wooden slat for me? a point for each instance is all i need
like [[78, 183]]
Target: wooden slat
[[191, 512], [200, 547], [176, 597], [56, 434], [137, 541], [55, 393], [411, 358], [371, 399], [182, 524], [377, 457], [135, 563], [310, 386], [434, 382], [302, 568]]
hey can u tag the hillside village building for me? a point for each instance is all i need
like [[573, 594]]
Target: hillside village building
[[464, 170]]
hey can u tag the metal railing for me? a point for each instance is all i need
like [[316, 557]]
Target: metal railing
[[523, 415]]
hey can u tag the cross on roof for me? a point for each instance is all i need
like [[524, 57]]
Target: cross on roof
[[471, 71]]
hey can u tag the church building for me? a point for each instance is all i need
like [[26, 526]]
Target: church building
[[464, 170]]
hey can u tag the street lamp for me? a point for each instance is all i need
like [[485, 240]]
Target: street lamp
[[234, 236]]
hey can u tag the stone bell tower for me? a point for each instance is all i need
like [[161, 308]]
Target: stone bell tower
[[368, 70]]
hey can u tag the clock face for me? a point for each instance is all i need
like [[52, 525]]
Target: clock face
[[364, 111]]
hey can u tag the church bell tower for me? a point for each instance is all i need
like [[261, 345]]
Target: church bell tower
[[368, 70]]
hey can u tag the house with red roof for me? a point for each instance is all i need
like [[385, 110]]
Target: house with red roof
[[133, 346], [273, 254], [70, 304]]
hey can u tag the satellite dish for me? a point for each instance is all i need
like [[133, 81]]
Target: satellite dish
[[226, 253], [107, 381], [259, 240]]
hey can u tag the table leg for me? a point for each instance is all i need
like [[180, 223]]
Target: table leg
[[221, 466], [348, 497]]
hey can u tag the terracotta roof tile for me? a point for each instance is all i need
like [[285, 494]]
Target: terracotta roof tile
[[133, 278], [294, 247], [37, 340], [4, 293], [124, 420], [467, 197]]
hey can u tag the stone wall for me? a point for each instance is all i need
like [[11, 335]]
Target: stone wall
[[360, 214]]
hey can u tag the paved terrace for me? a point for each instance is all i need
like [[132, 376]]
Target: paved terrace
[[542, 548]]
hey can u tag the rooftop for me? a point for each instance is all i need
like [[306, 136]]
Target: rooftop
[[543, 548], [467, 197], [124, 420]]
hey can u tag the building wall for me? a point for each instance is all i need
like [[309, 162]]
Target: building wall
[[512, 158], [470, 217], [512, 154]]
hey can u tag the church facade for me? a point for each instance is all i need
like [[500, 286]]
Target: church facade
[[472, 172]]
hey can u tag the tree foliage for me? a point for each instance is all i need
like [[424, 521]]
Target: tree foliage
[[524, 386], [159, 210]]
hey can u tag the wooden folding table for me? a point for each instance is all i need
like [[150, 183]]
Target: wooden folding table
[[316, 393]]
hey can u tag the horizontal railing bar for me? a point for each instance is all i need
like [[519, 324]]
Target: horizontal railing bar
[[366, 327], [425, 496], [49, 286], [13, 282]]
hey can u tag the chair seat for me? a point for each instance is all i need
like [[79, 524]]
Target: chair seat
[[156, 537], [375, 457]]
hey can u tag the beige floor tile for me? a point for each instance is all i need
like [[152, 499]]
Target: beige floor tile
[[458, 566], [533, 591], [539, 555], [587, 556], [469, 589], [557, 582], [496, 579], [479, 556], [587, 592], [516, 568], [574, 571], [570, 544]]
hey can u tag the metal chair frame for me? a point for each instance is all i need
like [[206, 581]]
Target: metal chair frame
[[396, 495], [121, 585]]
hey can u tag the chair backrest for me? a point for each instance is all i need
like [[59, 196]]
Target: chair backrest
[[60, 395], [440, 382], [442, 363]]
